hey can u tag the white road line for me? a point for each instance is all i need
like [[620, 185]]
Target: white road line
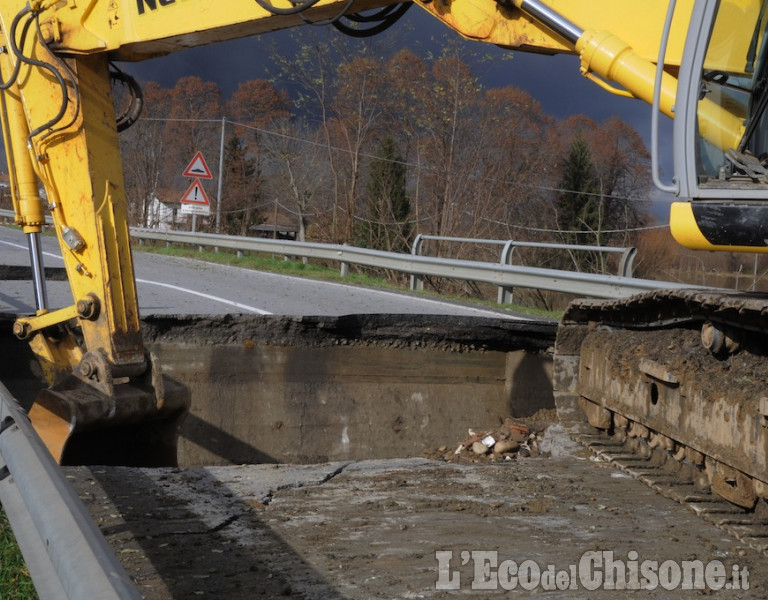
[[177, 288], [253, 309], [57, 256], [206, 296], [482, 311], [24, 247]]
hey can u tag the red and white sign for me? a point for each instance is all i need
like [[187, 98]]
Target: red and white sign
[[195, 200], [198, 168]]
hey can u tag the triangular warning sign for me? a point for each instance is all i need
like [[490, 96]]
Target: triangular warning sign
[[195, 194], [198, 168]]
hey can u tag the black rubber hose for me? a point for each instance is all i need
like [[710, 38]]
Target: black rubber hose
[[383, 24]]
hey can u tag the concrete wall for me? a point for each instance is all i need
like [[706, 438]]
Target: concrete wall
[[291, 402], [308, 389]]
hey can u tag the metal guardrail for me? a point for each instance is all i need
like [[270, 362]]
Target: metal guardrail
[[9, 214], [504, 276], [507, 254], [508, 276], [66, 554]]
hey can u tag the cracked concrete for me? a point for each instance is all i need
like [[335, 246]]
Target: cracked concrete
[[371, 529]]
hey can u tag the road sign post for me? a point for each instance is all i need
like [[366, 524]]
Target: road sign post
[[195, 201]]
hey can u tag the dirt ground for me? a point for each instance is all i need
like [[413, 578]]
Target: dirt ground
[[384, 529]]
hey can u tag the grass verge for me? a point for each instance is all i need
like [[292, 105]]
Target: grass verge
[[15, 582], [297, 268]]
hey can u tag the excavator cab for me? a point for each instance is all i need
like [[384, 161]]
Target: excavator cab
[[723, 171]]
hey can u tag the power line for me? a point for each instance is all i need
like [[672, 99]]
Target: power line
[[394, 161], [571, 232]]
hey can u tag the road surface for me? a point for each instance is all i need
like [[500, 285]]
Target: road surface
[[174, 285]]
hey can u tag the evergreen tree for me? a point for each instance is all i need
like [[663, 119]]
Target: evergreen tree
[[242, 183], [580, 206], [386, 227]]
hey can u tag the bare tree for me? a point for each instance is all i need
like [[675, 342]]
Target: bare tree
[[143, 150], [296, 179], [356, 108], [253, 105]]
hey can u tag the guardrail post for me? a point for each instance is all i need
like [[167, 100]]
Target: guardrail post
[[506, 294], [344, 269], [626, 264], [416, 280]]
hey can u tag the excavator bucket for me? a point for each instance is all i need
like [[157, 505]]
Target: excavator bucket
[[135, 423], [89, 417]]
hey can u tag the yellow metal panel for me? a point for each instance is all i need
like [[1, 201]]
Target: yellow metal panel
[[79, 163], [639, 24], [132, 29], [684, 229], [137, 29], [686, 232]]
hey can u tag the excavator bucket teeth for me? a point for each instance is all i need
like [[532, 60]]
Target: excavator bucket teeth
[[134, 426]]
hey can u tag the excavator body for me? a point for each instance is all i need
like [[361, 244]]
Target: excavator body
[[633, 368]]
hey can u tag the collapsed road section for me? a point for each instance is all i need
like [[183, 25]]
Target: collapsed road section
[[350, 401], [317, 389], [413, 528], [341, 406]]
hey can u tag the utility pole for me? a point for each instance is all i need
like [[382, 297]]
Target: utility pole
[[221, 176]]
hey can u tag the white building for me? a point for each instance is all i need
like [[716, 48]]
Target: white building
[[162, 215]]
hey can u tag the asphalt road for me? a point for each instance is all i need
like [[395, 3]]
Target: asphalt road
[[172, 285]]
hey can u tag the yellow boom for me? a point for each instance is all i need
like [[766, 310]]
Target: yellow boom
[[59, 128]]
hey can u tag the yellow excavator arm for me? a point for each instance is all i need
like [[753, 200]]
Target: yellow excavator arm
[[59, 129]]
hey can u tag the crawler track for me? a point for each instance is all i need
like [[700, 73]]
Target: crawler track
[[676, 373], [747, 526]]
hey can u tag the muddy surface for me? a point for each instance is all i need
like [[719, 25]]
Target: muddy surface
[[738, 376], [447, 332], [372, 529]]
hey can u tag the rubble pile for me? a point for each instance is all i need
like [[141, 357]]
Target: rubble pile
[[508, 441]]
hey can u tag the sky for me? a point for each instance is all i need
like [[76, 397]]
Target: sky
[[553, 80]]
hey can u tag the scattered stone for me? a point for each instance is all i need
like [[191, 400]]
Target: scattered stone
[[556, 443], [505, 446], [517, 433], [514, 438]]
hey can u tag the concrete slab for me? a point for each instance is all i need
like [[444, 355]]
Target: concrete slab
[[384, 528]]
